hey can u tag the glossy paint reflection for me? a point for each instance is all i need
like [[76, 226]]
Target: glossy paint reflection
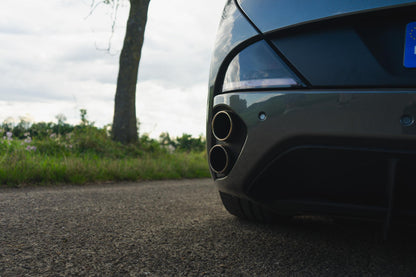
[[233, 30], [294, 12], [361, 113]]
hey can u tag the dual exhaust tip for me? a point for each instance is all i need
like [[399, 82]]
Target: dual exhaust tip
[[222, 126], [218, 159], [222, 129]]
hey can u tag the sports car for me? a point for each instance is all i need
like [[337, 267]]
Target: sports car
[[312, 108]]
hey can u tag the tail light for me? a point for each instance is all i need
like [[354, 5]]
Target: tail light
[[258, 66]]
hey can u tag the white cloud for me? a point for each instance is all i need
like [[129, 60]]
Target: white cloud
[[176, 110], [51, 62]]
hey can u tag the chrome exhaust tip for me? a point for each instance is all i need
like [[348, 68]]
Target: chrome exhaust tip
[[218, 159], [222, 125]]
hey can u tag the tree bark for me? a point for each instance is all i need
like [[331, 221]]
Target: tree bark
[[124, 127]]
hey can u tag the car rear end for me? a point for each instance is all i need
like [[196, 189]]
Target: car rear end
[[312, 106]]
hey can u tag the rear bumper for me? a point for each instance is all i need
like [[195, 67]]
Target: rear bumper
[[330, 152]]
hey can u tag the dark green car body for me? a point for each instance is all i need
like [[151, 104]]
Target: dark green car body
[[311, 108]]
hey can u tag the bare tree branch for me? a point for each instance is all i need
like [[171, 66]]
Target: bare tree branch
[[115, 4], [94, 6]]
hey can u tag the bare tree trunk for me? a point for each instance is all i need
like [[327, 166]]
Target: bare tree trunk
[[124, 127]]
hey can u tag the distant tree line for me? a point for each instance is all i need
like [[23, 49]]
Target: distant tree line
[[44, 130], [185, 143]]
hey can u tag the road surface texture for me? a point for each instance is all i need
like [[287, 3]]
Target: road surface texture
[[176, 228]]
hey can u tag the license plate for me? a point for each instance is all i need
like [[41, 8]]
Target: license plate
[[410, 46]]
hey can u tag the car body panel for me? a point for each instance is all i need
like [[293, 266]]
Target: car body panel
[[271, 15], [364, 50], [232, 31], [365, 115], [357, 124]]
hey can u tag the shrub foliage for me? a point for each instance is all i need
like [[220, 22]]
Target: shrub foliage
[[43, 153]]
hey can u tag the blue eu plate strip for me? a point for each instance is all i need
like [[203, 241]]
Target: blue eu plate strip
[[410, 46]]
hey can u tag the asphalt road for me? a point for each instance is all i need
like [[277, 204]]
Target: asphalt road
[[172, 228]]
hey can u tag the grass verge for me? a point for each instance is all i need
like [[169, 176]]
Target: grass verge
[[36, 169], [91, 156]]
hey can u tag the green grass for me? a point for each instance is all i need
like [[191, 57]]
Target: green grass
[[88, 156]]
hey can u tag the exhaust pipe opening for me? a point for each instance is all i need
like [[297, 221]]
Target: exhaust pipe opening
[[222, 125], [218, 159]]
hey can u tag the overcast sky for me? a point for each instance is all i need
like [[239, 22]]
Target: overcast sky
[[53, 62]]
